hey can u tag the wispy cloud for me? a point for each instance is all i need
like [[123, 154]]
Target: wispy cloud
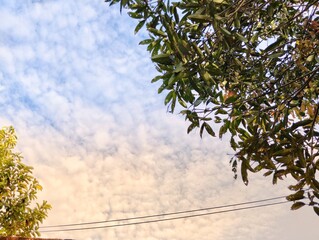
[[76, 86]]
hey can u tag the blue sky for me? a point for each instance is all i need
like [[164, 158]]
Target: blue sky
[[75, 84]]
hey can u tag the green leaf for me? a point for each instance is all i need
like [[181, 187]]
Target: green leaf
[[222, 130], [135, 15], [123, 3], [241, 38], [221, 111], [301, 123], [197, 102], [231, 99], [155, 79], [182, 103], [179, 68], [161, 88], [268, 173], [175, 13], [191, 127], [173, 79], [233, 144], [169, 97], [209, 129], [316, 209], [316, 194], [183, 47], [296, 196], [254, 38], [157, 32], [200, 18], [173, 102], [237, 21], [165, 59], [201, 130], [274, 45], [139, 26], [244, 172], [283, 152], [310, 58], [145, 41], [297, 205], [206, 76], [297, 186], [315, 183], [276, 55], [225, 31]]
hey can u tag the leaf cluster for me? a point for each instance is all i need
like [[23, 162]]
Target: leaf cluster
[[18, 189], [246, 68]]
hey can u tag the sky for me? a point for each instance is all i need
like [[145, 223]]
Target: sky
[[77, 87]]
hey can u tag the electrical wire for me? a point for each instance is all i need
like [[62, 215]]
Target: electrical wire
[[163, 214], [164, 219]]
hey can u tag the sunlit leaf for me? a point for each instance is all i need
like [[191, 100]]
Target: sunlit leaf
[[163, 59], [296, 196], [139, 26], [200, 18]]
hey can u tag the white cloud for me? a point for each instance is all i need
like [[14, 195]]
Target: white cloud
[[75, 84]]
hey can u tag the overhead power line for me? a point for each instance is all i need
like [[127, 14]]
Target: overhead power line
[[163, 214], [167, 219], [162, 220]]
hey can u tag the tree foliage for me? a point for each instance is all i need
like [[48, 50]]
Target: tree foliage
[[249, 68], [18, 189]]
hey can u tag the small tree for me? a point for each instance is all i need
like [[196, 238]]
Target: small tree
[[18, 189]]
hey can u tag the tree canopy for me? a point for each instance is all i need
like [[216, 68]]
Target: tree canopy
[[18, 189], [246, 68]]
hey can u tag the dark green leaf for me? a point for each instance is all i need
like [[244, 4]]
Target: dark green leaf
[[221, 111], [191, 127], [209, 130], [244, 172], [316, 209], [301, 123], [225, 31], [139, 26], [197, 102], [296, 196], [201, 130], [200, 18], [268, 173], [274, 45], [169, 97], [222, 130], [231, 99], [297, 205], [233, 144], [276, 55]]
